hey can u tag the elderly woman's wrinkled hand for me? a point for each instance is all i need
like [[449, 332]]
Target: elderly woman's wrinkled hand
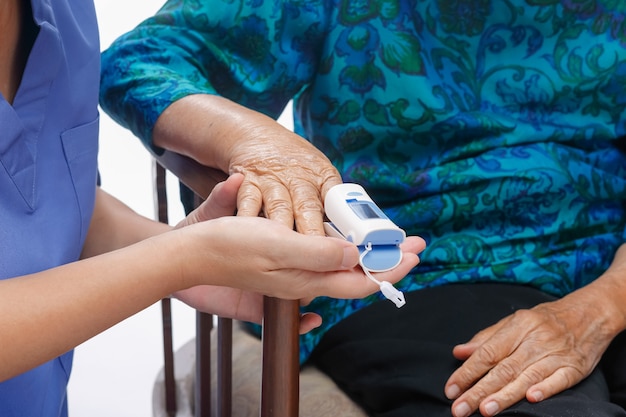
[[532, 354], [286, 179]]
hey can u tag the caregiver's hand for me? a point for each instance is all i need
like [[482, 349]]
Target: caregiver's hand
[[227, 301], [266, 257], [261, 256], [248, 306]]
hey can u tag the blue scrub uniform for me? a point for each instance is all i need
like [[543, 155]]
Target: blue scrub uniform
[[48, 173]]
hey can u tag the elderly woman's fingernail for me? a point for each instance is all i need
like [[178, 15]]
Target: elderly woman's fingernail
[[491, 408], [453, 391], [536, 396], [462, 410]]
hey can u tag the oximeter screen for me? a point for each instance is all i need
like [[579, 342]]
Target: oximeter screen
[[364, 210]]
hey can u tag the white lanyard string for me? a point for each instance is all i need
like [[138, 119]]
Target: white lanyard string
[[388, 290]]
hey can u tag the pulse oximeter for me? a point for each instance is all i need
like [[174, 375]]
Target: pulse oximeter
[[355, 217]]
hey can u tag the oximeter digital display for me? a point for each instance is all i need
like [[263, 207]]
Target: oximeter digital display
[[355, 217], [364, 210]]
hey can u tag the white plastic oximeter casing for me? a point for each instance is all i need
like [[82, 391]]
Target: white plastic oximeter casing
[[354, 216]]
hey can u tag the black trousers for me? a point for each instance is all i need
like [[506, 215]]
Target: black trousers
[[395, 362]]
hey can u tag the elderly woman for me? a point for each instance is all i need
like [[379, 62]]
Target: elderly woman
[[491, 128]]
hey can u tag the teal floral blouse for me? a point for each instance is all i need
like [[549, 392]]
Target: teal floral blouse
[[492, 128]]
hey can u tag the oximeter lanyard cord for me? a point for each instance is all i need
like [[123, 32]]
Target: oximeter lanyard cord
[[388, 290]]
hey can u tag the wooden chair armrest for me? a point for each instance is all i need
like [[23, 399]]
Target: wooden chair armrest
[[199, 178]]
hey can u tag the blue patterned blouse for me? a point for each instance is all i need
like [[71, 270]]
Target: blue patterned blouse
[[489, 127]]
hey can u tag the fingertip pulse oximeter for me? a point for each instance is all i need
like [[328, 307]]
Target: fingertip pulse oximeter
[[355, 217]]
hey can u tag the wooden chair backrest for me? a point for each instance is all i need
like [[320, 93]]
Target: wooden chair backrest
[[280, 384]]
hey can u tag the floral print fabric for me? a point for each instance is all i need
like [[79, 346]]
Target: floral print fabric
[[490, 127]]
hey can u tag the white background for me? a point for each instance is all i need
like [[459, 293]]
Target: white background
[[114, 372]]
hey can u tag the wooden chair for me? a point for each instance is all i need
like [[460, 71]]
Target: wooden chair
[[278, 352]]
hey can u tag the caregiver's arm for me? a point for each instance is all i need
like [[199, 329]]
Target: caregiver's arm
[[45, 314]]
